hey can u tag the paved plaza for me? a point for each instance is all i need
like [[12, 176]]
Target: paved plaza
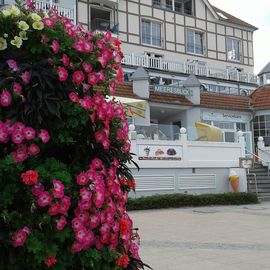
[[206, 238]]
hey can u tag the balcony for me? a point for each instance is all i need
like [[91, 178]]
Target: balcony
[[193, 67], [98, 24], [70, 13]]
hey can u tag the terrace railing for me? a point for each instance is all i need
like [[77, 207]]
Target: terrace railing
[[70, 13], [194, 67]]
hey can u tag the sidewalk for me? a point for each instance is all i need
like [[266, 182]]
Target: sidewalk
[[206, 238]]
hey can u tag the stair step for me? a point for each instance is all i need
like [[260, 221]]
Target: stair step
[[258, 171], [263, 181], [264, 198], [261, 190]]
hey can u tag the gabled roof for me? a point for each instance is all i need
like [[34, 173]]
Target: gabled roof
[[227, 102], [266, 69], [261, 98], [226, 17], [210, 7]]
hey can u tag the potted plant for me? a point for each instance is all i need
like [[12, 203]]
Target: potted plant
[[64, 147]]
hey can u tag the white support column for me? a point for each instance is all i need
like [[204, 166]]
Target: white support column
[[241, 140]]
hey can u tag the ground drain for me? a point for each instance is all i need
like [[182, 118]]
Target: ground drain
[[205, 211], [254, 208]]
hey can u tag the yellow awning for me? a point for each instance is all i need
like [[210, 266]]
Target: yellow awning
[[135, 108]]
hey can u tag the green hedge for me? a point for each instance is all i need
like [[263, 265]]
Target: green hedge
[[180, 200]]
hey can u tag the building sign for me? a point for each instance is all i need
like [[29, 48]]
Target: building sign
[[177, 90], [226, 117], [159, 152]]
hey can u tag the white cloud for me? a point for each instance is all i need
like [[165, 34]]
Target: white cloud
[[257, 14]]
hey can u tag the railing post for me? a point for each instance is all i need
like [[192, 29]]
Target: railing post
[[132, 134], [132, 59], [184, 143], [237, 75]]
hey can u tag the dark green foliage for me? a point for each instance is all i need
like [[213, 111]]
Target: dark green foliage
[[181, 200]]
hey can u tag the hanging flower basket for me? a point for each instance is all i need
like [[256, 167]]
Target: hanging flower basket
[[64, 147]]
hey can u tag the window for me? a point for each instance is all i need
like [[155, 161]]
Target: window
[[261, 126], [151, 33], [267, 77], [233, 49], [181, 6], [194, 42]]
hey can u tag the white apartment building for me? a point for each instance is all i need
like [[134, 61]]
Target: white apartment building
[[172, 39]]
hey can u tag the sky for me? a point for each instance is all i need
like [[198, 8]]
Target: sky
[[256, 13]]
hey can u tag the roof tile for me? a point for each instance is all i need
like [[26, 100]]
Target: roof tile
[[261, 98], [219, 101]]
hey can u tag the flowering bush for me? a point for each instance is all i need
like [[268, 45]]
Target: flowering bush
[[64, 147]]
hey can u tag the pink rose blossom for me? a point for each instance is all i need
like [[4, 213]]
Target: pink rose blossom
[[62, 74], [100, 136], [55, 46], [21, 154], [73, 97], [3, 135], [61, 223], [82, 215], [96, 163], [76, 224], [44, 135], [87, 67], [29, 133], [92, 78], [65, 60], [18, 126], [33, 150], [17, 88], [26, 229], [82, 179], [58, 190], [54, 209], [88, 47], [5, 98], [78, 46], [85, 194], [19, 238], [17, 137], [84, 204], [86, 87], [44, 199], [76, 247], [78, 76], [94, 221], [48, 22], [26, 76], [80, 235], [65, 204], [108, 36], [12, 65], [37, 189]]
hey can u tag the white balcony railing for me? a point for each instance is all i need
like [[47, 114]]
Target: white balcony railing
[[70, 13], [194, 67]]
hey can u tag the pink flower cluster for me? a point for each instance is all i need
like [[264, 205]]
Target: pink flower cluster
[[16, 87], [56, 199], [101, 208], [19, 133], [104, 112]]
